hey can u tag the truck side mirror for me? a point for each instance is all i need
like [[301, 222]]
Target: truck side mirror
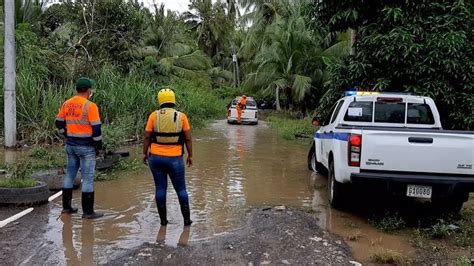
[[316, 121]]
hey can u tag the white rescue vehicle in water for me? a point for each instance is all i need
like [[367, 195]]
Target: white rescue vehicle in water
[[392, 143]]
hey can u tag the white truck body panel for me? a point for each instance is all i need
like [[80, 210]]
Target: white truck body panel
[[393, 151], [390, 149]]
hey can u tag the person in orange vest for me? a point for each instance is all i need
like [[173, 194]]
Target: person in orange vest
[[240, 106], [79, 121], [167, 131]]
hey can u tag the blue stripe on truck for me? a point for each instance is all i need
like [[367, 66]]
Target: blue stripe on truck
[[336, 136]]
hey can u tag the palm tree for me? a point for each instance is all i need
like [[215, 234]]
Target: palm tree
[[173, 48], [284, 65], [292, 58]]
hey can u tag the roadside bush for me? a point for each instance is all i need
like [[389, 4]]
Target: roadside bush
[[291, 128]]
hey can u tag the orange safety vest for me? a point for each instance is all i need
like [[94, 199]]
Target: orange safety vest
[[242, 103], [80, 115]]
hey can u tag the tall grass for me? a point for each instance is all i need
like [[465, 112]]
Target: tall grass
[[125, 103], [290, 127]]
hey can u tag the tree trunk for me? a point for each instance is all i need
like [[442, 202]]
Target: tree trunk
[[277, 99], [353, 40]]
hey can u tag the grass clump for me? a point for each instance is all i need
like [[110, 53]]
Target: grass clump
[[42, 158], [19, 176], [290, 127], [389, 223], [387, 256]]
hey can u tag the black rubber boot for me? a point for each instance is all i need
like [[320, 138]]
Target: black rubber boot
[[88, 206], [186, 215], [67, 199], [162, 213]]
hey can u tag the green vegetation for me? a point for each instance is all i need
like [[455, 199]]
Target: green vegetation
[[389, 222], [291, 128], [19, 175], [46, 158], [294, 53]]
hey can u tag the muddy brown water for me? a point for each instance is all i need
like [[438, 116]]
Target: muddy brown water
[[235, 167]]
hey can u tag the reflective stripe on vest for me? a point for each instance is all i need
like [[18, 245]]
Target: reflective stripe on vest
[[70, 123], [168, 127]]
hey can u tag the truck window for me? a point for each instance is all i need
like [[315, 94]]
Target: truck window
[[328, 115], [359, 112], [386, 112], [336, 112], [419, 114], [251, 103]]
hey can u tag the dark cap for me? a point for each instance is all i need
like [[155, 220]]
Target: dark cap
[[84, 83]]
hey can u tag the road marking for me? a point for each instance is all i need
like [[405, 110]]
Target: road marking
[[15, 217], [55, 196]]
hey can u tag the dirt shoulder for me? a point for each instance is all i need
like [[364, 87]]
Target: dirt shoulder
[[269, 236]]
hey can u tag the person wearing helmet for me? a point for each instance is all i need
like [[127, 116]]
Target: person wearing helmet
[[166, 133], [240, 106]]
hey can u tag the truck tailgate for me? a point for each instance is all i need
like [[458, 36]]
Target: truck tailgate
[[411, 151]]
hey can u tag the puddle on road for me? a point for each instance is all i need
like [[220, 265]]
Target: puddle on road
[[235, 167]]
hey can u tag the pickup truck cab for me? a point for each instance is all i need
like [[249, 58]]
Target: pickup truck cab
[[394, 143]]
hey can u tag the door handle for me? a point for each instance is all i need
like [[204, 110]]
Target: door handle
[[420, 140]]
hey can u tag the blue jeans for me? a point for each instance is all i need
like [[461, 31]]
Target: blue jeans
[[161, 167], [83, 157]]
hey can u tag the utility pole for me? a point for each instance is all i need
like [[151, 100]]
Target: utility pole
[[353, 40], [236, 70], [10, 75]]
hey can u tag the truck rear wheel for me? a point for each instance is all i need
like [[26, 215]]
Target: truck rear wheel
[[452, 206], [335, 189]]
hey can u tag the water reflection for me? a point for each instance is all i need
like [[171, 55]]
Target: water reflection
[[86, 242], [70, 252]]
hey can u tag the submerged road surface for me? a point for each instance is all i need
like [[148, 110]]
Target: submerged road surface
[[236, 169]]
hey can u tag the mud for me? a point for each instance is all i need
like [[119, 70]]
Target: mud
[[267, 236]]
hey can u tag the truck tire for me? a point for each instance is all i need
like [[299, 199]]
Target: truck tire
[[335, 189], [25, 196], [450, 206], [313, 164]]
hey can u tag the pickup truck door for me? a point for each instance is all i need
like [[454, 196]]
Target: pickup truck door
[[327, 132]]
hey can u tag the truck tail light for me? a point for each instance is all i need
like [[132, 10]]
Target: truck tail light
[[228, 113], [354, 149], [256, 114]]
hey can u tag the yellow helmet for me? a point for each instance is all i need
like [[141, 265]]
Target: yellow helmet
[[166, 96]]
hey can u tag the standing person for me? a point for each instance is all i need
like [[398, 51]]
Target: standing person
[[79, 121], [166, 132], [240, 106]]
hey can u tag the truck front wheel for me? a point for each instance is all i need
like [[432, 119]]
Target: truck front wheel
[[335, 189]]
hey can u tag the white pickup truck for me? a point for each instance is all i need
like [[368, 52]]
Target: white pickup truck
[[394, 143]]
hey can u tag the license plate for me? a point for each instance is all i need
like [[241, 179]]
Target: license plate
[[419, 191]]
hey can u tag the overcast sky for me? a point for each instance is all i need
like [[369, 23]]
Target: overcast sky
[[174, 5]]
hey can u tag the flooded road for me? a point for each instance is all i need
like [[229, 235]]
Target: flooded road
[[235, 168]]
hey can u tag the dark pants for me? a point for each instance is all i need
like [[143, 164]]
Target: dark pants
[[161, 167]]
